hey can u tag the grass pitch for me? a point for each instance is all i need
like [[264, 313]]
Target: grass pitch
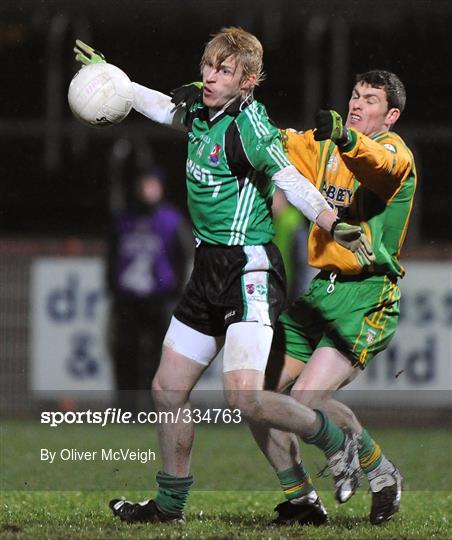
[[235, 490]]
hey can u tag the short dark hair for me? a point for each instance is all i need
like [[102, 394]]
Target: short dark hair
[[392, 85]]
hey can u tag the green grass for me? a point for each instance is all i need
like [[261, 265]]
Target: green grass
[[235, 488], [77, 515]]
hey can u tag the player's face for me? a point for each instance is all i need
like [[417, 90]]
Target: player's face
[[223, 83], [368, 110]]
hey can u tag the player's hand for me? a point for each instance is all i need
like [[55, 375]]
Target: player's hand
[[329, 125], [352, 238], [186, 95], [365, 254], [86, 54]]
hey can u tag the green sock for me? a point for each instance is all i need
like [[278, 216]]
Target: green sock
[[329, 438], [295, 481], [369, 452], [172, 492]]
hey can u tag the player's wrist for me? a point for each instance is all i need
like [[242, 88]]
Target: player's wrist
[[334, 225], [344, 139], [348, 141], [325, 219]]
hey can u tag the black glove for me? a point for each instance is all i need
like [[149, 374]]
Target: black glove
[[186, 95], [330, 126]]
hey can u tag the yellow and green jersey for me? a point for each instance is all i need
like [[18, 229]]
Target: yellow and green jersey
[[370, 182]]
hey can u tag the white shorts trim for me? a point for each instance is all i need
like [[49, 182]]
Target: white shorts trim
[[195, 345], [255, 285]]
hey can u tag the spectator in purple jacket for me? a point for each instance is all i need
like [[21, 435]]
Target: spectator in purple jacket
[[149, 254]]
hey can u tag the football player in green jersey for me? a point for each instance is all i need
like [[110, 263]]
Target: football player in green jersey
[[349, 314], [237, 287]]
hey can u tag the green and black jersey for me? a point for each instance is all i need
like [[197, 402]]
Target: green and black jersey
[[228, 201]]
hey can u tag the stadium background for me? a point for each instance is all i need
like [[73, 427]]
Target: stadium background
[[60, 179]]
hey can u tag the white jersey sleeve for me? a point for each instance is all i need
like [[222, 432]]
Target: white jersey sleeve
[[300, 192], [157, 106]]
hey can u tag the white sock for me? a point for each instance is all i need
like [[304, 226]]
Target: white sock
[[385, 467]]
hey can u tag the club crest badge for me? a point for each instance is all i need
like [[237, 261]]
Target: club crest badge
[[332, 164], [250, 288], [390, 147], [214, 156], [370, 337]]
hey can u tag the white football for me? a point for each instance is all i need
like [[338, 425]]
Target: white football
[[100, 95]]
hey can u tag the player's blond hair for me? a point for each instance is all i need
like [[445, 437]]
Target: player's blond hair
[[243, 45]]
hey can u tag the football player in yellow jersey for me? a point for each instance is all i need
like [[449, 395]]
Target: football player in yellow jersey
[[349, 314]]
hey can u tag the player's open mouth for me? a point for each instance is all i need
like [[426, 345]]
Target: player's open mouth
[[207, 92], [355, 118]]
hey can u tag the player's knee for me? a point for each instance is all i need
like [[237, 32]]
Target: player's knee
[[247, 401], [158, 382], [234, 399], [308, 396], [164, 395], [158, 392]]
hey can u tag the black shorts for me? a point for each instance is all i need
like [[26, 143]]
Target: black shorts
[[233, 284]]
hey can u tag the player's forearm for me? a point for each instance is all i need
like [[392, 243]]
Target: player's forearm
[[156, 106], [325, 219], [378, 167], [304, 196]]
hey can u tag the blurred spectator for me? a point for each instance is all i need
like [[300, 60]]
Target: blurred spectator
[[291, 238], [149, 253]]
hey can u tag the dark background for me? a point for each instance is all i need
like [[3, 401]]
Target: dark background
[[57, 175]]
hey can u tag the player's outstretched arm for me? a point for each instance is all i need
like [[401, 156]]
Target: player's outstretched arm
[[151, 103], [157, 106]]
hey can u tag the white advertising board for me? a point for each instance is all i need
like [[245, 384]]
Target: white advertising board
[[68, 320], [69, 313]]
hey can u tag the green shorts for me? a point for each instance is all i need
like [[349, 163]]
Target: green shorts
[[357, 317]]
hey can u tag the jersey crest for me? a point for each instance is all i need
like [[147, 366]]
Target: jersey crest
[[214, 156], [332, 163], [390, 147]]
